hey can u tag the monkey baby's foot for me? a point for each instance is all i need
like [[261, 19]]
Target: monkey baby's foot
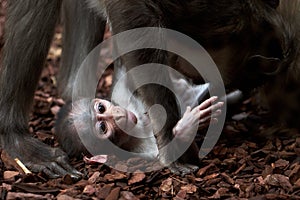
[[39, 157], [182, 169]]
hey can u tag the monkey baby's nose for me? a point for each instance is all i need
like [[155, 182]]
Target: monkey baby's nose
[[101, 117], [118, 115]]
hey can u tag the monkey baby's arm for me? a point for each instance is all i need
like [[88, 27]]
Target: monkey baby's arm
[[193, 117]]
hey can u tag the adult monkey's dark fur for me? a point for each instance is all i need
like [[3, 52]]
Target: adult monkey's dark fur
[[248, 39]]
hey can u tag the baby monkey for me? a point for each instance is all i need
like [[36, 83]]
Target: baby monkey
[[130, 128]]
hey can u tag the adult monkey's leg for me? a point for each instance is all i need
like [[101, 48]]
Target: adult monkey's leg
[[29, 30], [83, 31]]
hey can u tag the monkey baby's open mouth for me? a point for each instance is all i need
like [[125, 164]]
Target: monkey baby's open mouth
[[131, 116]]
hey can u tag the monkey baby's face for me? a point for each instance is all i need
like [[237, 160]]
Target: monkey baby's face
[[111, 121]]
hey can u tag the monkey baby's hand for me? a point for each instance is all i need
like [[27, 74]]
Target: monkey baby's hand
[[39, 157], [209, 111], [191, 119]]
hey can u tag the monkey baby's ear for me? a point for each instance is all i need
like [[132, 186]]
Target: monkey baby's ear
[[272, 3]]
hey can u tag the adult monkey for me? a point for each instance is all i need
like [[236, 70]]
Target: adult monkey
[[220, 26]]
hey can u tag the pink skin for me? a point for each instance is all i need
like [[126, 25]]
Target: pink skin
[[193, 117], [106, 121]]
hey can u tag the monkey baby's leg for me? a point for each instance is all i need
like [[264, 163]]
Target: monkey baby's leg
[[83, 31], [29, 30]]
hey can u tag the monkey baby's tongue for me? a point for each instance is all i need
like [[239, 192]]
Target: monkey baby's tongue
[[132, 117]]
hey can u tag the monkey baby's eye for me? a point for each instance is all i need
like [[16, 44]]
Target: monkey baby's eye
[[102, 127], [101, 108]]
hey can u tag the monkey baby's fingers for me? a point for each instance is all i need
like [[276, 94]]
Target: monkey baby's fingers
[[216, 113], [218, 105], [212, 117], [211, 109], [207, 103], [214, 107], [204, 119], [214, 120], [211, 121], [188, 109]]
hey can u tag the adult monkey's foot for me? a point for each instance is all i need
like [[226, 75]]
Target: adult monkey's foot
[[37, 156]]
